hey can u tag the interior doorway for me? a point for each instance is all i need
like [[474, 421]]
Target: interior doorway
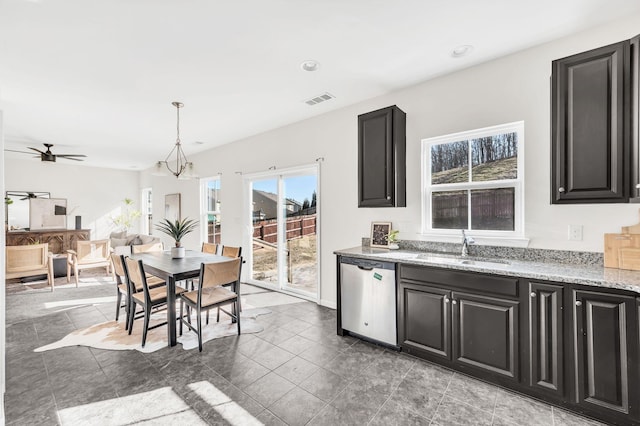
[[283, 223]]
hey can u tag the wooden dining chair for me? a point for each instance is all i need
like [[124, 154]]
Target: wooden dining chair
[[122, 287], [148, 299], [210, 248], [230, 251], [211, 294]]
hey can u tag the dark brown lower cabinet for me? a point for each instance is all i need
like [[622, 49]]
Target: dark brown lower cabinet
[[545, 349], [426, 325], [470, 331], [571, 345], [485, 333], [605, 333]]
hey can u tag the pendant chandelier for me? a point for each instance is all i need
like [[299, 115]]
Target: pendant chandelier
[[176, 161]]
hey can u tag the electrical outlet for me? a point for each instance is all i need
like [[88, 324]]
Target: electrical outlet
[[575, 232]]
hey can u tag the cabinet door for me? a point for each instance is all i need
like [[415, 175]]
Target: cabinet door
[[546, 338], [485, 333], [590, 137], [424, 326], [381, 158], [604, 340], [635, 119]]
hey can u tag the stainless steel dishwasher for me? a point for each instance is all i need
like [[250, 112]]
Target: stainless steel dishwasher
[[368, 299]]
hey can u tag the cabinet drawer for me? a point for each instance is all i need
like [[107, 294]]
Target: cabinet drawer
[[458, 279]]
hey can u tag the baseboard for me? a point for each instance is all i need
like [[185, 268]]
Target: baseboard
[[328, 303]]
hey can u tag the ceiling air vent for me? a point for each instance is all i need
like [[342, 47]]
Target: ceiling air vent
[[320, 98]]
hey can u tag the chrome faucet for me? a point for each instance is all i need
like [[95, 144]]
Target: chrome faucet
[[466, 241]]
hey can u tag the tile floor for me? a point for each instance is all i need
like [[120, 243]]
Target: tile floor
[[296, 372]]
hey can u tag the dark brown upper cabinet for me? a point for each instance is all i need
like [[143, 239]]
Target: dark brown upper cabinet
[[635, 119], [591, 126], [382, 158]]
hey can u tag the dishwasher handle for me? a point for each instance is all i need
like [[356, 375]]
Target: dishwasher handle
[[365, 268]]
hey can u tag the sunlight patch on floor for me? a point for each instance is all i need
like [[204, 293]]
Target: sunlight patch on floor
[[228, 409], [76, 302], [148, 407]]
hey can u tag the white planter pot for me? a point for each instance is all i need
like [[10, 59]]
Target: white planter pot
[[177, 252], [394, 246]]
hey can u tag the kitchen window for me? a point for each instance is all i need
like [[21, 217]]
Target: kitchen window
[[474, 181]]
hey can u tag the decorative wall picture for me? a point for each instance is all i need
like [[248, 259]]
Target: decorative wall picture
[[47, 213], [380, 233], [172, 207]]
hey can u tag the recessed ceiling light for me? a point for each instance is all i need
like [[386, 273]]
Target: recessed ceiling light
[[462, 50], [310, 65]]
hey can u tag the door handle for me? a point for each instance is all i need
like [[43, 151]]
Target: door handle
[[365, 268]]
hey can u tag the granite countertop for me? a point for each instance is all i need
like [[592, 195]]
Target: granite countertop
[[591, 275]]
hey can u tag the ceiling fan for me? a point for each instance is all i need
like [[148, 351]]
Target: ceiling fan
[[50, 156]]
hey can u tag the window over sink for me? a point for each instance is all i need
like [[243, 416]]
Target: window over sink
[[474, 181]]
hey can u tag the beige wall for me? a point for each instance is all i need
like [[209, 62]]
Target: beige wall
[[95, 194], [508, 89]]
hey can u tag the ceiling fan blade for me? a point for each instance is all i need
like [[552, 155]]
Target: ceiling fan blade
[[36, 150], [70, 155], [15, 150], [70, 158]]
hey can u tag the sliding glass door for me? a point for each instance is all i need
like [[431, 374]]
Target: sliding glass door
[[284, 217]]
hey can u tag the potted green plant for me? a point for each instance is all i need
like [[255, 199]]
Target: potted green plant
[[392, 238], [177, 230], [127, 215]]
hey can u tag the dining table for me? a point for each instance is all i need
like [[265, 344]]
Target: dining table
[[162, 265]]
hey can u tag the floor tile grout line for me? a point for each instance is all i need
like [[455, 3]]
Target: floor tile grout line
[[392, 392]]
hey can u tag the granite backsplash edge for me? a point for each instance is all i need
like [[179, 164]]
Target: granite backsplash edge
[[516, 253]]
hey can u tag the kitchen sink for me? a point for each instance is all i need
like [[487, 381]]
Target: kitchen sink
[[444, 259], [459, 260]]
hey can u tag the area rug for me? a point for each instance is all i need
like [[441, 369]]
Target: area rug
[[112, 335]]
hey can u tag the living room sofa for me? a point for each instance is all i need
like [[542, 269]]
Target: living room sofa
[[121, 242]]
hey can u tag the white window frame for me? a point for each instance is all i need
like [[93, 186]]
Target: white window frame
[[513, 238], [146, 210], [204, 212]]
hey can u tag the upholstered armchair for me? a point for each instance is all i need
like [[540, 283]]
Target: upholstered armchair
[[29, 261], [88, 255]]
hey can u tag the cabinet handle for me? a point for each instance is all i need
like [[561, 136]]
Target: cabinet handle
[[561, 189], [638, 186], [446, 300], [388, 197], [366, 323], [578, 303], [455, 302], [533, 294]]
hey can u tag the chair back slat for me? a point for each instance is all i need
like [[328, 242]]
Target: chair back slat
[[93, 251], [210, 248], [147, 248], [220, 273], [118, 266], [136, 276], [26, 258], [229, 251]]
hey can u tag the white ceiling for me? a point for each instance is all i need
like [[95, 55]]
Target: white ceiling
[[98, 76]]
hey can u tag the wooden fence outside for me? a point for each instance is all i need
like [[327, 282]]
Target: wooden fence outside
[[486, 206], [298, 226]]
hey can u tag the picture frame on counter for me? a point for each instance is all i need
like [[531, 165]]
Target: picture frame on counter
[[380, 233]]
